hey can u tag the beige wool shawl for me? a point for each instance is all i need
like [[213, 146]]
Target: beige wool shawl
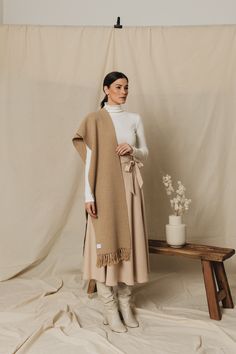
[[107, 185]]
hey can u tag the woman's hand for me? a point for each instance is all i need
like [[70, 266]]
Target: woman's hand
[[124, 149], [91, 209]]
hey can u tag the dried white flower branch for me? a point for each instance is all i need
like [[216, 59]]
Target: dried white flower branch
[[179, 203]]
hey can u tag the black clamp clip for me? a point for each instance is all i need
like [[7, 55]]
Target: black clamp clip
[[118, 25]]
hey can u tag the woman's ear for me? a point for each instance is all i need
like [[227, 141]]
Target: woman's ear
[[106, 90]]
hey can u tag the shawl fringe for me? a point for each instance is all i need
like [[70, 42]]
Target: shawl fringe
[[107, 259]]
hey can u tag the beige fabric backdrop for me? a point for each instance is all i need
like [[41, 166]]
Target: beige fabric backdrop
[[182, 82]]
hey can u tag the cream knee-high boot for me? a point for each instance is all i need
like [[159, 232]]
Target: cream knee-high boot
[[111, 313], [124, 294]]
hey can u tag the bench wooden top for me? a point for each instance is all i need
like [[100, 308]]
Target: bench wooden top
[[205, 252]]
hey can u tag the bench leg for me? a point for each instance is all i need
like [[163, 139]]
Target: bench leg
[[91, 287], [211, 291], [223, 284]]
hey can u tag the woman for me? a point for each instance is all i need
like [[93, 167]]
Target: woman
[[112, 144]]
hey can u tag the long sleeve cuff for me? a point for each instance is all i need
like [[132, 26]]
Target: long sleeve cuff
[[89, 199], [139, 153]]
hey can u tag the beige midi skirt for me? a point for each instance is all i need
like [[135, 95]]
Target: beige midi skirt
[[136, 269]]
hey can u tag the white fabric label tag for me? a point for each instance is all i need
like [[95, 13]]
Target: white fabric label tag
[[99, 245]]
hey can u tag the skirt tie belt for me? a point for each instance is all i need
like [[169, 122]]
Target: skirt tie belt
[[133, 168]]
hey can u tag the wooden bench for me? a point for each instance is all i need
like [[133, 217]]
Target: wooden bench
[[215, 279]]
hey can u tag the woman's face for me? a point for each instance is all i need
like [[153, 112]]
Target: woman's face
[[117, 92]]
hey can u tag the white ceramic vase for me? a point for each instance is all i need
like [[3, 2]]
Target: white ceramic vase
[[175, 231]]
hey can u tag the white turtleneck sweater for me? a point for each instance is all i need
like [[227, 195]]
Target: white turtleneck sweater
[[129, 129]]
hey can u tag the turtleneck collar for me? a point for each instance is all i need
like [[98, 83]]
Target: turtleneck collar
[[115, 108]]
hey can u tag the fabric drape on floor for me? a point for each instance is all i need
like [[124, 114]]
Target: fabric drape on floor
[[183, 83]]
